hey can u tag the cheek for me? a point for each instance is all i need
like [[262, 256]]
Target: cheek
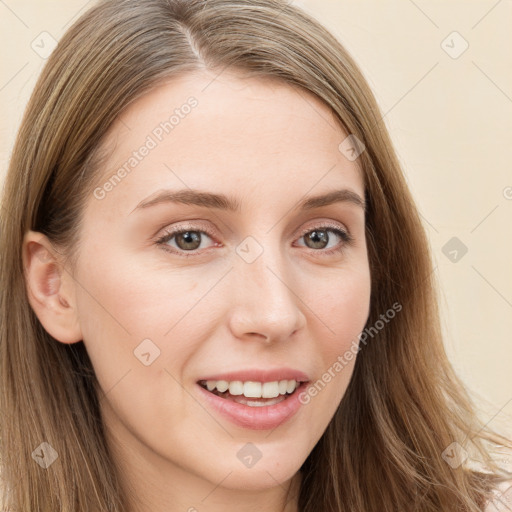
[[343, 307], [130, 295], [125, 313], [343, 304], [139, 339], [142, 324]]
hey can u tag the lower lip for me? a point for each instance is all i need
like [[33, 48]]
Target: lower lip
[[256, 418]]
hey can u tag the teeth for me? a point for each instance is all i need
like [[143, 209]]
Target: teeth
[[252, 389], [270, 389], [290, 388], [222, 385], [236, 387]]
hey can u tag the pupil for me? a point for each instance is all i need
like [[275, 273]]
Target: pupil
[[189, 238], [320, 237]]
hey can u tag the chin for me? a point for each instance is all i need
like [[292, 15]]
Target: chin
[[260, 478]]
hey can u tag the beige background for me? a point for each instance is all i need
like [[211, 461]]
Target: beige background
[[451, 122]]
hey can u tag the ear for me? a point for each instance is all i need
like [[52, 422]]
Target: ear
[[50, 288]]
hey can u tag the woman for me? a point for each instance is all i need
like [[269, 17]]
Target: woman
[[177, 332]]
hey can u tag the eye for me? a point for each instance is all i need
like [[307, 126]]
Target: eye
[[186, 240], [318, 239]]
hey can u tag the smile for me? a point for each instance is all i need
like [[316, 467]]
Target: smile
[[254, 404], [253, 394]]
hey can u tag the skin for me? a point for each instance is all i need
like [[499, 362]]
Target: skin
[[268, 145]]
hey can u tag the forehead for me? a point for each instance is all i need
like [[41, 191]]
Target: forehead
[[251, 136]]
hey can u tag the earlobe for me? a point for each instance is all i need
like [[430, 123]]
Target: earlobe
[[50, 288]]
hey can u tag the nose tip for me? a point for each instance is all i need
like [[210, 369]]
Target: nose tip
[[264, 305]]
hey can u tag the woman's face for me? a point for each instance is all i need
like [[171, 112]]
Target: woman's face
[[258, 289]]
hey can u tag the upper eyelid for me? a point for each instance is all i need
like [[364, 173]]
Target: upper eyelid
[[324, 225], [192, 226], [343, 233], [171, 233]]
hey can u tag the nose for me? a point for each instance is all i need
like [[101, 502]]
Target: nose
[[264, 305]]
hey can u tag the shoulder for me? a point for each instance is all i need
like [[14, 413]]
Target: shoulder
[[502, 498]]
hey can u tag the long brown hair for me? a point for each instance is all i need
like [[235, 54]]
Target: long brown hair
[[383, 449]]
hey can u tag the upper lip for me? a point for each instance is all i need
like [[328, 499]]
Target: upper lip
[[260, 375]]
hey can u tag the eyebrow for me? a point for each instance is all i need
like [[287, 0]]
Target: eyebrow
[[223, 202]]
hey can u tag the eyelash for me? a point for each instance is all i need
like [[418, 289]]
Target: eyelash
[[347, 239]]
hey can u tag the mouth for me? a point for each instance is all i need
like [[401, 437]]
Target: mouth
[[253, 393], [255, 398]]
